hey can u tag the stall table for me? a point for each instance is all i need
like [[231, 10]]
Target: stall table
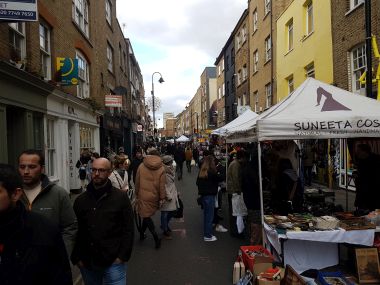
[[305, 250]]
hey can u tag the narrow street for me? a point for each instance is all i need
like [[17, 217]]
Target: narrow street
[[186, 259]]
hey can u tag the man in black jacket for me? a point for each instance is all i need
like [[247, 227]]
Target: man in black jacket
[[31, 247], [105, 231]]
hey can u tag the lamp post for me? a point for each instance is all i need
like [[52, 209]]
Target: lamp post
[[161, 80]]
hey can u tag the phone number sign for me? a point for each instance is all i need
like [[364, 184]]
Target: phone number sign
[[18, 10]]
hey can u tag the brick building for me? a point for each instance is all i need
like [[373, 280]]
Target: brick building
[[349, 56], [38, 111]]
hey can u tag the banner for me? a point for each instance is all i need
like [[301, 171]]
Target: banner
[[18, 10], [113, 101], [68, 70]]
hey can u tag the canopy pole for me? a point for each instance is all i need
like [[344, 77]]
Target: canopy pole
[[261, 190], [346, 170]]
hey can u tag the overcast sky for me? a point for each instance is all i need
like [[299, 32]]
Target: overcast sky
[[177, 38]]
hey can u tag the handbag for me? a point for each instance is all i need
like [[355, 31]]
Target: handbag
[[238, 206], [192, 163]]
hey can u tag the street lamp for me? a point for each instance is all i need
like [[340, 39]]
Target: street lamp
[[161, 80]]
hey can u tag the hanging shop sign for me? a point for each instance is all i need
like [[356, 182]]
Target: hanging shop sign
[[67, 70], [18, 10], [139, 128], [113, 101]]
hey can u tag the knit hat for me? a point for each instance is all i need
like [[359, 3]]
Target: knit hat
[[167, 158]]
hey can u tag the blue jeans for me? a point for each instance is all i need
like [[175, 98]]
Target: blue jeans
[[116, 274], [165, 219], [208, 202]]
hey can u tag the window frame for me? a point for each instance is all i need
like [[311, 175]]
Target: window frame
[[18, 36], [355, 75], [309, 17], [310, 70], [255, 20], [268, 48], [290, 81], [256, 98], [51, 147], [267, 7], [108, 11], [290, 30], [83, 88], [110, 65], [255, 61], [80, 15], [268, 95], [45, 52], [353, 5]]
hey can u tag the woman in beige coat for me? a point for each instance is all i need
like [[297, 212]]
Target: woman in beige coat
[[171, 202], [150, 192]]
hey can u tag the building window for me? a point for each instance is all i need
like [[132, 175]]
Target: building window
[[355, 3], [268, 95], [309, 18], [266, 6], [245, 72], [50, 147], [83, 88], [219, 69], [219, 93], [222, 64], [80, 15], [309, 70], [110, 57], [86, 138], [240, 76], [109, 12], [290, 80], [268, 46], [359, 65], [244, 33], [290, 34], [45, 51], [238, 40], [255, 61], [17, 41], [256, 98], [255, 21]]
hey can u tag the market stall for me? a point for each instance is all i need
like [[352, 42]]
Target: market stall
[[317, 110], [241, 123]]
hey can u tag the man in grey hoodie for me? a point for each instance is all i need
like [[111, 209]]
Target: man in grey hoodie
[[46, 198]]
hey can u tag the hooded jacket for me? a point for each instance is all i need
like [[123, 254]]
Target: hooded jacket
[[54, 203], [150, 185], [32, 250], [171, 202]]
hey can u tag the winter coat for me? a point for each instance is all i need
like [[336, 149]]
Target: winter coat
[[32, 251], [179, 155], [208, 185], [150, 185], [54, 203], [106, 227], [234, 177], [171, 200]]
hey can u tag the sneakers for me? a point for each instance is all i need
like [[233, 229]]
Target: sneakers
[[212, 238], [221, 229]]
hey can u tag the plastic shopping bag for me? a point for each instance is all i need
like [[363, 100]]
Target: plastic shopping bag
[[238, 206]]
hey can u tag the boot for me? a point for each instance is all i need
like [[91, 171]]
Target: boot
[[157, 241]]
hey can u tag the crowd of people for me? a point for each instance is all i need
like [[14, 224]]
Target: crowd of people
[[41, 231]]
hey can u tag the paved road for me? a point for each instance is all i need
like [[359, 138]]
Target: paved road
[[186, 259]]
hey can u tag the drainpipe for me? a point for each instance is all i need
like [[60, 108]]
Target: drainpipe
[[368, 48]]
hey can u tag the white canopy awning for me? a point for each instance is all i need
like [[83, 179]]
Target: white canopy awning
[[183, 138], [241, 123], [316, 110]]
